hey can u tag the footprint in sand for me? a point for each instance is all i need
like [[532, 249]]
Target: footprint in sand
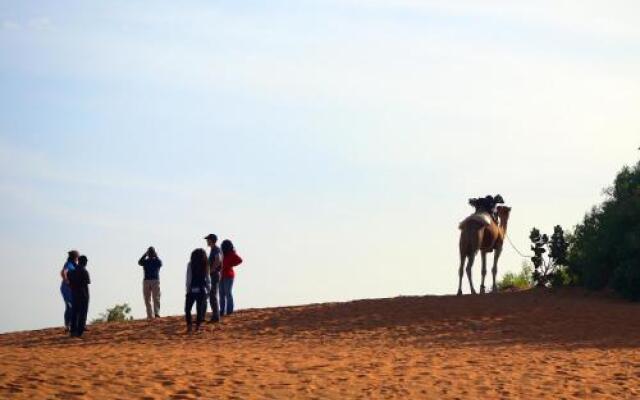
[[15, 389], [180, 397]]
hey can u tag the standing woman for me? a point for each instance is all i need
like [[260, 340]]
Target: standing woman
[[65, 289], [230, 259], [197, 284]]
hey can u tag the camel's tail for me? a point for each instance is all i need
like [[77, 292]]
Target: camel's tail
[[471, 236]]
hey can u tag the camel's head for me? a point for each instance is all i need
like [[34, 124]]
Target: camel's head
[[503, 213]]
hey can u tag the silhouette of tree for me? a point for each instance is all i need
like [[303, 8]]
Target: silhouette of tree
[[605, 249], [548, 268]]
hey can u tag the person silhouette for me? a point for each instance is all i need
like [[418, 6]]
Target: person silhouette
[[79, 281], [230, 259], [65, 289], [196, 286], [151, 282], [215, 267]]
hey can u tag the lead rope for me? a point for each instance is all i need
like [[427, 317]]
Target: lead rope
[[515, 248]]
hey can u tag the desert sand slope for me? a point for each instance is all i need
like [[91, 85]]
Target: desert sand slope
[[525, 345]]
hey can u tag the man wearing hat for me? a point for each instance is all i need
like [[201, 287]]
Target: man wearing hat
[[215, 265]]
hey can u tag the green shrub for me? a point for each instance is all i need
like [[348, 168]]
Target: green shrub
[[626, 280], [605, 248], [561, 277], [118, 313], [521, 280]]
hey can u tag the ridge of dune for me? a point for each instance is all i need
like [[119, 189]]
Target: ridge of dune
[[532, 344]]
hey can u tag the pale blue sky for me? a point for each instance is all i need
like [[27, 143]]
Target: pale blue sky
[[335, 142]]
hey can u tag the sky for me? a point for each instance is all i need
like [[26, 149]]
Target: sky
[[334, 142]]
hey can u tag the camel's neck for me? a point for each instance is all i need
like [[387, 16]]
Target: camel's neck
[[503, 224]]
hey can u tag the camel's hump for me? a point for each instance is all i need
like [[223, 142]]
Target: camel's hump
[[483, 218]]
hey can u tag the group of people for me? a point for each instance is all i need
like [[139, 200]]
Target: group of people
[[208, 277], [75, 292]]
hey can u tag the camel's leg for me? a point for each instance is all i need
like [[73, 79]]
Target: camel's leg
[[494, 270], [483, 257], [460, 274], [469, 265]]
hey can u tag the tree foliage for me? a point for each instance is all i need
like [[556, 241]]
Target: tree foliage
[[118, 313], [605, 249], [550, 255]]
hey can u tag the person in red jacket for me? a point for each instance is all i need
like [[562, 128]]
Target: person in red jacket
[[230, 259]]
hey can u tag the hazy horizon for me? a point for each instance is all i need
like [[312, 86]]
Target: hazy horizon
[[336, 143]]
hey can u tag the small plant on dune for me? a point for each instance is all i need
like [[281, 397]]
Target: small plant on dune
[[520, 281], [550, 257], [118, 313]]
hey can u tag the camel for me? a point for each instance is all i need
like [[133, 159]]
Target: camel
[[486, 237]]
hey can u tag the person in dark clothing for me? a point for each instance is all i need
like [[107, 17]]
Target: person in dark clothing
[[79, 281], [215, 267], [151, 283], [487, 204], [65, 289], [197, 285]]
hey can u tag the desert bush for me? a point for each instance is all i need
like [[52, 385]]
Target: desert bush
[[605, 249], [550, 255], [521, 280], [118, 313]]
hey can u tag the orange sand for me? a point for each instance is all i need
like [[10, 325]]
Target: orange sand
[[525, 345]]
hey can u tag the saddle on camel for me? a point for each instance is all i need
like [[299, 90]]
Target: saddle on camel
[[485, 209]]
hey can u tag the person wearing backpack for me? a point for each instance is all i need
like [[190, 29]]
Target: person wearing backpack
[[197, 285], [151, 283], [230, 259], [79, 281]]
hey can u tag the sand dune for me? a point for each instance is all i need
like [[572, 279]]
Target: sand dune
[[533, 344]]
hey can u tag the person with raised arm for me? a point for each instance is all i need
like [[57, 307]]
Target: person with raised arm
[[151, 282]]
